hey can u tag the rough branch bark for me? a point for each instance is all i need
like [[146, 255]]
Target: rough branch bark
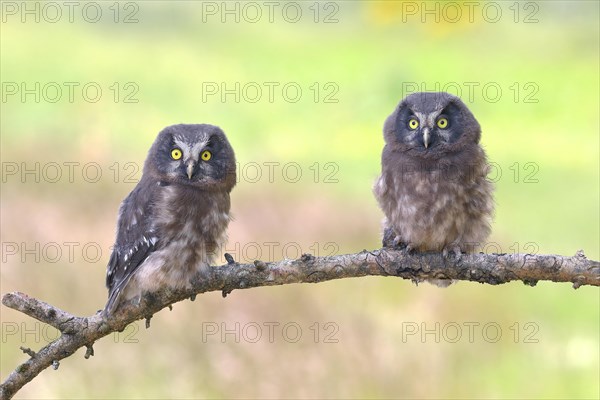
[[494, 269]]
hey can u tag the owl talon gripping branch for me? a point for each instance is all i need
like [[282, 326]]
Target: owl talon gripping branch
[[392, 240], [452, 249]]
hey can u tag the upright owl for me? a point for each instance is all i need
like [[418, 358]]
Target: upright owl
[[173, 222], [433, 187]]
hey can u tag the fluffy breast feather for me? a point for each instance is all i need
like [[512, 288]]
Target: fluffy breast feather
[[191, 225], [434, 206]]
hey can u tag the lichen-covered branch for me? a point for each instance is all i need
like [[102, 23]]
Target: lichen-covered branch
[[494, 269]]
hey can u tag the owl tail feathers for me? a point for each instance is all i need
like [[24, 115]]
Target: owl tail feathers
[[117, 295], [113, 301]]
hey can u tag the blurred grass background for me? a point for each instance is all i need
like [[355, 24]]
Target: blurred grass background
[[371, 54]]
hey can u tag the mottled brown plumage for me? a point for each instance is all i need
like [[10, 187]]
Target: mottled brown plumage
[[173, 223], [433, 188]]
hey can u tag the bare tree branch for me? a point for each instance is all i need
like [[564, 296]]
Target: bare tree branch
[[494, 269]]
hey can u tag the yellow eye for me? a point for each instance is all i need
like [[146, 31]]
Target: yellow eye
[[442, 123], [206, 155], [413, 123], [176, 154]]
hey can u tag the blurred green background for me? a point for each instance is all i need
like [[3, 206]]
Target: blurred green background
[[529, 71]]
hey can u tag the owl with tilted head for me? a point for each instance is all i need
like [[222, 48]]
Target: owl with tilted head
[[433, 187], [172, 224]]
